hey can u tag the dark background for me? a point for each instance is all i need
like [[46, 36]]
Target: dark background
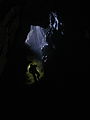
[[69, 64]]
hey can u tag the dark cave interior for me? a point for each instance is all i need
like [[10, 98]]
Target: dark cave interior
[[66, 62]]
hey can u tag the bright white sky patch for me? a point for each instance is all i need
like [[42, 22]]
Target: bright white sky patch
[[36, 39]]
